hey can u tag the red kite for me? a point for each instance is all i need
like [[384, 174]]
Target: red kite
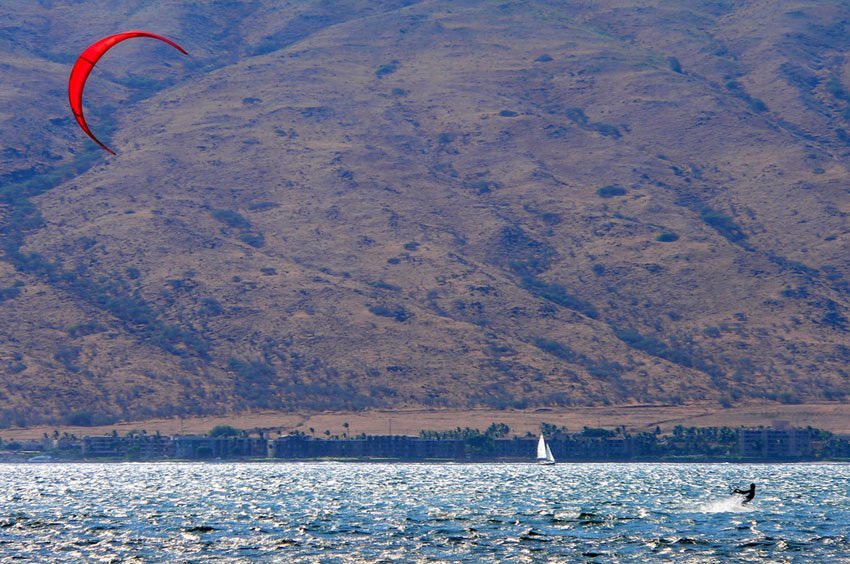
[[88, 59]]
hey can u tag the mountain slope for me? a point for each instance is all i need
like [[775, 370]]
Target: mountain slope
[[448, 204]]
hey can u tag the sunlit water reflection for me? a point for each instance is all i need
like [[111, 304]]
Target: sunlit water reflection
[[489, 512]]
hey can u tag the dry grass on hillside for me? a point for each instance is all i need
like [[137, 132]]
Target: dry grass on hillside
[[832, 417]]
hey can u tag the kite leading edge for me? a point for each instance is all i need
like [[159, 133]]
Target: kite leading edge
[[86, 62]]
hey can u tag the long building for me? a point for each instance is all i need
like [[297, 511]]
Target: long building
[[774, 443], [135, 447], [762, 443], [157, 447]]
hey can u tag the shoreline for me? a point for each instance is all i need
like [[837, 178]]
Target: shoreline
[[823, 462]]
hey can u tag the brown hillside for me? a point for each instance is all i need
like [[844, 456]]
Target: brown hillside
[[444, 204]]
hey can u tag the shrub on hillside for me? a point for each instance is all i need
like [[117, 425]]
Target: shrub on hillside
[[611, 191], [231, 218], [557, 349], [381, 285], [87, 419], [9, 293], [256, 240], [263, 206], [210, 306], [68, 357], [558, 294], [387, 69], [675, 65], [723, 224], [398, 312]]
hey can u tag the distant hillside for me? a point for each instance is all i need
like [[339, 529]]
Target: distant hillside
[[439, 203]]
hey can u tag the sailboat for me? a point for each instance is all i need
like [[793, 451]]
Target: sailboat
[[544, 453]]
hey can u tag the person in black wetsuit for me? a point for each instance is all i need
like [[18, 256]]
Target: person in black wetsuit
[[750, 494]]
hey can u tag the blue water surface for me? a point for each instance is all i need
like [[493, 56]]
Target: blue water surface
[[428, 512]]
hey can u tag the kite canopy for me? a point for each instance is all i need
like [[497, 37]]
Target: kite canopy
[[84, 65]]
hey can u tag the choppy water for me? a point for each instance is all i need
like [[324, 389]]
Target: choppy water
[[493, 512]]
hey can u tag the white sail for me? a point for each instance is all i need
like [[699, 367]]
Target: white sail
[[544, 453], [542, 447]]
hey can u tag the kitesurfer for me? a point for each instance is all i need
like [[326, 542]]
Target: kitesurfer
[[749, 494]]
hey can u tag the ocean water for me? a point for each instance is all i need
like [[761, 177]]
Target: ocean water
[[428, 512]]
